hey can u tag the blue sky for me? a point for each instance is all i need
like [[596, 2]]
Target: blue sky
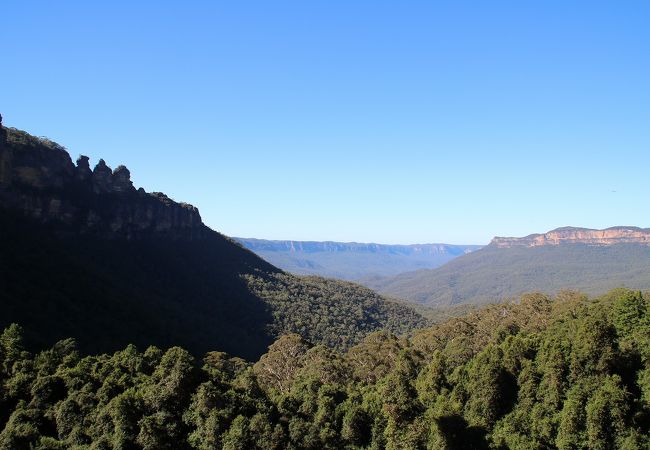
[[391, 122]]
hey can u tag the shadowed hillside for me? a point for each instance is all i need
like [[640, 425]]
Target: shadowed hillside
[[85, 254]]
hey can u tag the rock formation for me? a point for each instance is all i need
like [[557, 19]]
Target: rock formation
[[122, 180], [572, 235], [83, 172], [39, 180], [102, 177]]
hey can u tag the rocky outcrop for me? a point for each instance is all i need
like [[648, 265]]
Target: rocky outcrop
[[39, 180], [102, 178], [572, 235], [83, 168], [122, 180]]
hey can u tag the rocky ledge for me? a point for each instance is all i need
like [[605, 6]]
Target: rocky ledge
[[572, 235], [39, 180]]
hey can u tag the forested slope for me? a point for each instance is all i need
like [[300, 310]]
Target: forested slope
[[566, 373], [492, 274]]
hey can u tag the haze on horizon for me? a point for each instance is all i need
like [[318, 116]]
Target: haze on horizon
[[365, 122]]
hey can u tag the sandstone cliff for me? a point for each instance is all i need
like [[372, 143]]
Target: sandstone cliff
[[571, 235], [39, 180], [357, 247]]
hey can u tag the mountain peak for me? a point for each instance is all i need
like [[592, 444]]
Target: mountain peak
[[575, 235]]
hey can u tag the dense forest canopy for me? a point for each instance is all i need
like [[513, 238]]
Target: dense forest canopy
[[565, 372]]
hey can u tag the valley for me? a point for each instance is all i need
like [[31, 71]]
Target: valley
[[324, 225], [353, 261], [128, 323]]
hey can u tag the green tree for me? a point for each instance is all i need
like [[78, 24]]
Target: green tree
[[277, 368]]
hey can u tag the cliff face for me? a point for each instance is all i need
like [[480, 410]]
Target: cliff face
[[571, 235], [347, 247], [39, 180]]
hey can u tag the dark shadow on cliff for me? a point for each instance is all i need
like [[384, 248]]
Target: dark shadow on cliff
[[109, 293]]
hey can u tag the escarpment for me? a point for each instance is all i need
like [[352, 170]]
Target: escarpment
[[572, 235], [39, 180]]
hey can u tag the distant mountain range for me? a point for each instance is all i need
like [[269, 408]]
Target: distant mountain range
[[351, 260], [589, 260]]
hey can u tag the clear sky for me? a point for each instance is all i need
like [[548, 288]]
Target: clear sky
[[390, 122]]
